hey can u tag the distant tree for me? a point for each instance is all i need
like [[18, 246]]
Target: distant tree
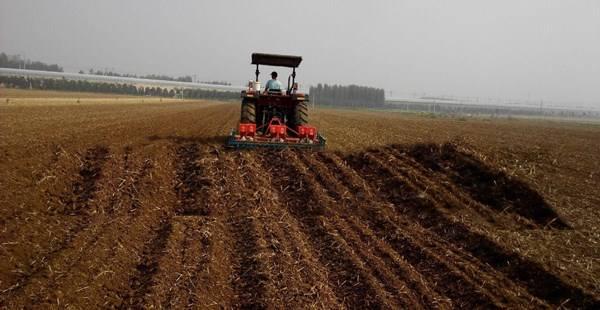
[[4, 60], [16, 62], [351, 95], [113, 88]]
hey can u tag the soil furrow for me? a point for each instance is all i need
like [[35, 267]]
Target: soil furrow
[[353, 285], [90, 241], [188, 250], [83, 190], [119, 244], [296, 276], [186, 186], [141, 282], [350, 193], [55, 167], [530, 275], [492, 188], [457, 199], [191, 181], [194, 209], [480, 273], [250, 277], [356, 234], [76, 203], [197, 255], [138, 205], [102, 261], [211, 280], [472, 271], [170, 279], [408, 240], [419, 184]]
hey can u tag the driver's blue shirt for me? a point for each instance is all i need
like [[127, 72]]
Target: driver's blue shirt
[[273, 85]]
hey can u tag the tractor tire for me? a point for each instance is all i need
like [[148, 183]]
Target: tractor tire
[[248, 112], [301, 114]]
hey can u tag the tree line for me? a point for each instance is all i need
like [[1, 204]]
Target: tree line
[[113, 88], [351, 95], [161, 77], [217, 83], [493, 111], [16, 62]]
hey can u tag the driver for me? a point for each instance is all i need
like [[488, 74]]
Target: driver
[[273, 83]]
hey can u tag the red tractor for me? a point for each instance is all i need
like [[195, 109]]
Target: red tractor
[[275, 118]]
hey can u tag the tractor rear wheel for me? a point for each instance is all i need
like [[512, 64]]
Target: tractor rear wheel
[[248, 111], [301, 114]]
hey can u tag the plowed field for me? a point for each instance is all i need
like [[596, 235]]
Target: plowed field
[[117, 203]]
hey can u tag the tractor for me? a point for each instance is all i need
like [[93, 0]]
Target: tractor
[[275, 118]]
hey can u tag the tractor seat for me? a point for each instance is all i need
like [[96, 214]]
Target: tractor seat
[[275, 92]]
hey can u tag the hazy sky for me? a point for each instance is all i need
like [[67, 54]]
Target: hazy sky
[[537, 49]]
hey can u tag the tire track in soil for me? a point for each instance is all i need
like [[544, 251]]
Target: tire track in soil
[[188, 185], [85, 186], [188, 260], [129, 184], [145, 271], [249, 276], [171, 273], [354, 286], [83, 190], [202, 234], [75, 203], [194, 255], [191, 182], [189, 247], [422, 250], [296, 278], [101, 277], [90, 241], [398, 189], [192, 187]]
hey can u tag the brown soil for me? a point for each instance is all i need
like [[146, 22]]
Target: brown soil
[[138, 205]]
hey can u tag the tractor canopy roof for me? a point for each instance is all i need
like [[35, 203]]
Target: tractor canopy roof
[[276, 60]]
